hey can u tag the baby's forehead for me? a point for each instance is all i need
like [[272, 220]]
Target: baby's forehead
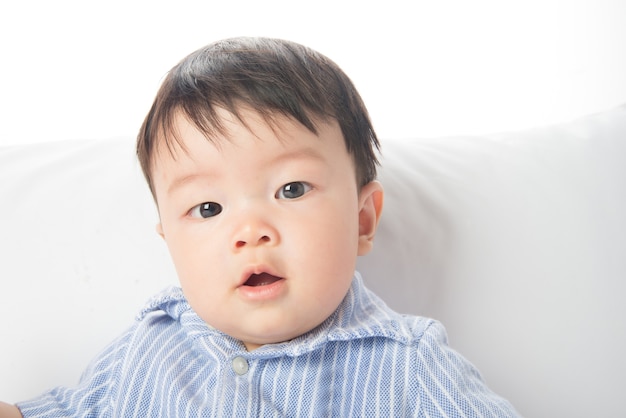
[[246, 145], [225, 125]]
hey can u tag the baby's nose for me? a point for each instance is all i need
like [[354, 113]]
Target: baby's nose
[[253, 233]]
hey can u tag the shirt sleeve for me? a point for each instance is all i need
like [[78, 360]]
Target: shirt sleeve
[[449, 385], [91, 397]]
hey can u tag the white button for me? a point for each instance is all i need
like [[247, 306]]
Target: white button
[[240, 365]]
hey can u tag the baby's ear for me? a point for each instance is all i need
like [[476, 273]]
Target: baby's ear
[[159, 230], [370, 208]]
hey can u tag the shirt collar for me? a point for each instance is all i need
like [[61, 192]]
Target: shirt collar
[[361, 314]]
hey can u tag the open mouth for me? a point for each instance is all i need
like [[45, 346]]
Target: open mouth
[[262, 279]]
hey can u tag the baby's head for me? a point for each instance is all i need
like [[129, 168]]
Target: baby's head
[[261, 158], [271, 77]]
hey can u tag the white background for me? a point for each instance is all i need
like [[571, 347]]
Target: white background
[[87, 69], [71, 69]]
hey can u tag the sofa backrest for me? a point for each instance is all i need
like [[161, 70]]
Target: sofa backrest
[[515, 241]]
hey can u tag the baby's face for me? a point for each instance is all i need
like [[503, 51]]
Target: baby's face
[[263, 227]]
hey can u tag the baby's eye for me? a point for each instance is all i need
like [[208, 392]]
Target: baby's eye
[[293, 190], [205, 210]]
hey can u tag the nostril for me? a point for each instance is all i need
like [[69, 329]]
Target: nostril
[[265, 239]]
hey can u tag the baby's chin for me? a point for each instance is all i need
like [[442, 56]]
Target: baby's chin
[[268, 325]]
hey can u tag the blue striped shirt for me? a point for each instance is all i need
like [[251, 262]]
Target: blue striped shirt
[[365, 360]]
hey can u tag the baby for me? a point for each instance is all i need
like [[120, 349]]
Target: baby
[[262, 161]]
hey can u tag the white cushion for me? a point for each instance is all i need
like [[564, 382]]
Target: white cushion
[[515, 241]]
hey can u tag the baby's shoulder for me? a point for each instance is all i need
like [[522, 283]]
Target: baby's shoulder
[[380, 323]]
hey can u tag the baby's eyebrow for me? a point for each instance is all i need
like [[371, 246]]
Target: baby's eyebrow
[[181, 181], [308, 153], [301, 154]]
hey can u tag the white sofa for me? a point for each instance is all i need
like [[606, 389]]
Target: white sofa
[[515, 241]]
